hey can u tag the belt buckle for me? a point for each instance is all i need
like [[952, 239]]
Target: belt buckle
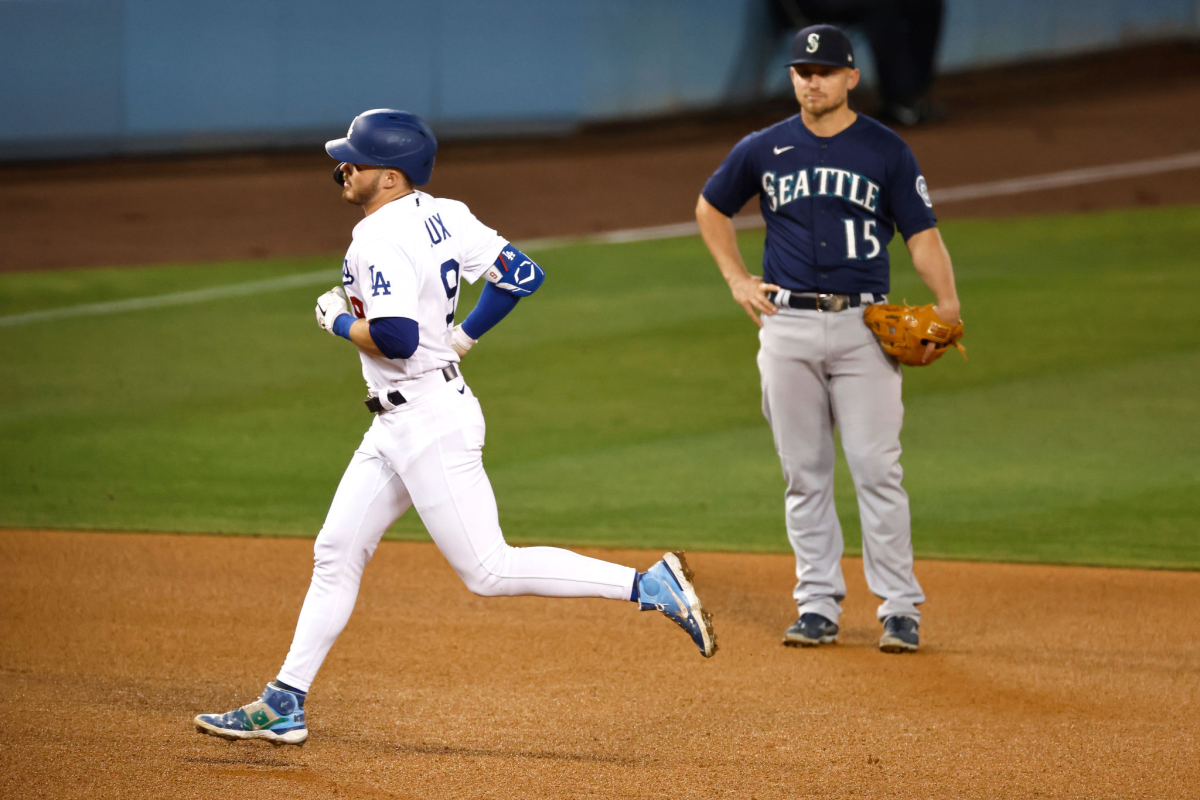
[[832, 302]]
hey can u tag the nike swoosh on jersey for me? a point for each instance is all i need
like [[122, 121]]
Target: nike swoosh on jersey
[[779, 150]]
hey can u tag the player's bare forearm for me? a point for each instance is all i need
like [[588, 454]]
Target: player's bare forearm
[[931, 259], [360, 334], [719, 236]]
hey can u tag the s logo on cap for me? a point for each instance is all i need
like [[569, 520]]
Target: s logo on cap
[[814, 40]]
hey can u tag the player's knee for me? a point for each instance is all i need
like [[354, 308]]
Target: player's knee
[[480, 582], [806, 473], [325, 552], [332, 562], [486, 577], [875, 470]]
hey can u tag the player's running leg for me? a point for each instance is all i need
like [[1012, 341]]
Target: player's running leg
[[369, 499], [438, 453]]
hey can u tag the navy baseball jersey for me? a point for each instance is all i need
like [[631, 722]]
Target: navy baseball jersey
[[831, 204]]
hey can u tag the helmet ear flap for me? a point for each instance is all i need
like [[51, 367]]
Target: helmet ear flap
[[338, 176]]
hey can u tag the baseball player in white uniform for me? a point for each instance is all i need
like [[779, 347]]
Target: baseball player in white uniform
[[397, 302]]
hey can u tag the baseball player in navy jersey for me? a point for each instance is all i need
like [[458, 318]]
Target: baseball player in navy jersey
[[397, 303], [833, 185]]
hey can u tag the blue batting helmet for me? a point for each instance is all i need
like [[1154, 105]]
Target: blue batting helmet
[[388, 138]]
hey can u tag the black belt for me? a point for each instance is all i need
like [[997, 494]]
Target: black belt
[[396, 399], [828, 302]]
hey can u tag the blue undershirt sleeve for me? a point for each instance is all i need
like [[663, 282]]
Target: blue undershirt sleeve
[[493, 306], [396, 337]]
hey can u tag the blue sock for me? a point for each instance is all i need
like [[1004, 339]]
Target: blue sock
[[634, 595], [281, 685]]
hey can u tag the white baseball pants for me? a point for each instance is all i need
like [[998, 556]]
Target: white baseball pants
[[821, 369], [428, 454]]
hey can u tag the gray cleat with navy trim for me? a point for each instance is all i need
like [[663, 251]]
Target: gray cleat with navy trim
[[811, 630], [899, 635]]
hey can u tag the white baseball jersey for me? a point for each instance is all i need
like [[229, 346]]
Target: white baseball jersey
[[407, 260]]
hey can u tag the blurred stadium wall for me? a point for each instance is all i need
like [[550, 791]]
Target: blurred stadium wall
[[101, 77]]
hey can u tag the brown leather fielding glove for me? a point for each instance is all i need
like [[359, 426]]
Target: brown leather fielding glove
[[907, 331]]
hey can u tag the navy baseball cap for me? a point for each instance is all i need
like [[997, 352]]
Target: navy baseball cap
[[822, 44]]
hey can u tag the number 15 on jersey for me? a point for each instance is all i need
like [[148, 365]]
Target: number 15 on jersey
[[870, 243]]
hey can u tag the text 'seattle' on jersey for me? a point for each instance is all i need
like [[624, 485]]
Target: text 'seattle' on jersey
[[831, 204]]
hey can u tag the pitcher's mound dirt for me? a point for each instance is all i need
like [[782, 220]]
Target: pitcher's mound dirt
[[1031, 682]]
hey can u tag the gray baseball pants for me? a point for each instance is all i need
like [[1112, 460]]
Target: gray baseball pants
[[821, 369]]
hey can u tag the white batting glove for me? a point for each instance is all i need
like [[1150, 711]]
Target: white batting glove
[[330, 306], [460, 341]]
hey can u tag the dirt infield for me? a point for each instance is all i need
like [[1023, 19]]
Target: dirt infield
[[1032, 682], [1010, 123]]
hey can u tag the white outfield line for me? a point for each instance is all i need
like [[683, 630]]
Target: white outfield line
[[1071, 177], [174, 299], [956, 194]]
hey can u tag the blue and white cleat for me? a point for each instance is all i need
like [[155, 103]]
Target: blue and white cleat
[[667, 587], [277, 716]]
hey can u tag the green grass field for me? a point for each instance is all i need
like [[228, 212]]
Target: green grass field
[[623, 403]]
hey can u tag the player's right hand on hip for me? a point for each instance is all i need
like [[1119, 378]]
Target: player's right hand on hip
[[750, 293], [330, 306]]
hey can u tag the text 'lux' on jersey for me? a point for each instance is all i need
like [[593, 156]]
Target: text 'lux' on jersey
[[407, 260]]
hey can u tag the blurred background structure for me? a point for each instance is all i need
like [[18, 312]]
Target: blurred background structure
[[106, 77]]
